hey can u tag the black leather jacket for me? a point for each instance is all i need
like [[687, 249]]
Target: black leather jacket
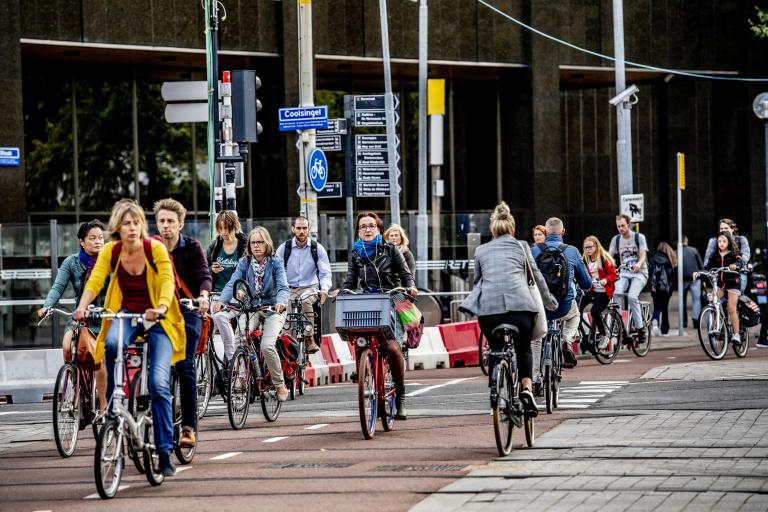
[[385, 271]]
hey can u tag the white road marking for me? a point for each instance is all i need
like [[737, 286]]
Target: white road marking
[[603, 382], [589, 390], [226, 455], [621, 361], [182, 468], [577, 400], [274, 439], [315, 427], [430, 388], [96, 495], [571, 406], [23, 412]]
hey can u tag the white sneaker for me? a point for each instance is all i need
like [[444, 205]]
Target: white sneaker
[[736, 338], [602, 342], [655, 328]]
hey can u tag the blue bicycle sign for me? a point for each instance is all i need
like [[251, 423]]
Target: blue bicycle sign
[[317, 169]]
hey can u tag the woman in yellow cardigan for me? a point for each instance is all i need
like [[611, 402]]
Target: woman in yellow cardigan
[[140, 286]]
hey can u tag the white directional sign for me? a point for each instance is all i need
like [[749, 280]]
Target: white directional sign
[[194, 90], [634, 206], [328, 142], [186, 112]]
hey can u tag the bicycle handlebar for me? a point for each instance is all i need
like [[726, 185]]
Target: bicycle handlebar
[[50, 311]]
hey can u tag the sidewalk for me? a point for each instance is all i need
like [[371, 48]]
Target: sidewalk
[[668, 460]]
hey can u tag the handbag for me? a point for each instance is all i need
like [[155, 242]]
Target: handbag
[[540, 325], [86, 348], [411, 318], [205, 332]]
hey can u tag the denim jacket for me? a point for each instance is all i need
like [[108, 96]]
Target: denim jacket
[[274, 290]]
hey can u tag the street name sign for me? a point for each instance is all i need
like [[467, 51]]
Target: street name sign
[[332, 189], [335, 127], [302, 118], [328, 142], [10, 157]]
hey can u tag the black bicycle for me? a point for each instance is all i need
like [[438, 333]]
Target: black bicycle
[[552, 364], [506, 407], [614, 328]]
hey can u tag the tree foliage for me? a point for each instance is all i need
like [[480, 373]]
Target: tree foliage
[[760, 27]]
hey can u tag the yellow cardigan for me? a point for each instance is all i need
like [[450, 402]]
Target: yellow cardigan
[[162, 289]]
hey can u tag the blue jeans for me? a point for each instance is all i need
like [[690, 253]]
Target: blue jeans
[[695, 289], [160, 351], [186, 370]]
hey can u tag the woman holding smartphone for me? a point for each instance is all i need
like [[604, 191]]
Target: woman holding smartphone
[[226, 249]]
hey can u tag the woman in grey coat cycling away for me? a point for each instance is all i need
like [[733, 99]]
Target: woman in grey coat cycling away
[[501, 295]]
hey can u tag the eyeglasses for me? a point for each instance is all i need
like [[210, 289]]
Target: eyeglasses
[[367, 227], [258, 242]]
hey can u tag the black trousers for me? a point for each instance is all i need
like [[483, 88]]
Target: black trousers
[[524, 321], [599, 302]]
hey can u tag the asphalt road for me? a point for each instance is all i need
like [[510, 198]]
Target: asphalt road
[[315, 454]]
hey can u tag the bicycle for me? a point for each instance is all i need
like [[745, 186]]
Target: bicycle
[[552, 364], [122, 430], [249, 375], [482, 353], [209, 369], [294, 365], [367, 320], [715, 329], [631, 335], [614, 327], [506, 407], [75, 403]]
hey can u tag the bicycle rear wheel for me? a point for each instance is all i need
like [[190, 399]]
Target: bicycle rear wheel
[[482, 353], [557, 371], [613, 330], [204, 382], [150, 457], [108, 459], [740, 348], [366, 393], [66, 410], [530, 430], [137, 407], [239, 390], [270, 405], [642, 349], [184, 454], [502, 409], [713, 337], [387, 406]]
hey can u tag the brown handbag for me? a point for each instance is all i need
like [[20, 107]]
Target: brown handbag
[[86, 348], [205, 332]]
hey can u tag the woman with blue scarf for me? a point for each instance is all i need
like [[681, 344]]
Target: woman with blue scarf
[[377, 266], [75, 271]]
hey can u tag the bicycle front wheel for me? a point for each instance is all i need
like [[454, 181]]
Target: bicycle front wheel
[[204, 382], [503, 408], [366, 393], [387, 407], [712, 334], [613, 330], [66, 410], [184, 454], [239, 390], [482, 353], [108, 459]]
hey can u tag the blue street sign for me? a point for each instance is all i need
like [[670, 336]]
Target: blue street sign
[[317, 169], [303, 118], [10, 157]]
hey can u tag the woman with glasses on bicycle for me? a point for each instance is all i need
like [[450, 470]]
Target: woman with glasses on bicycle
[[75, 270], [602, 270], [727, 255], [379, 266], [265, 276], [501, 295], [141, 282]]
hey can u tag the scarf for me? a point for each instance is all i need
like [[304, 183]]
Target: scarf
[[367, 249], [258, 275], [86, 260]]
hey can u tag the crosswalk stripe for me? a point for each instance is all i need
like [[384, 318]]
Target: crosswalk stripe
[[226, 455], [96, 495], [274, 439], [595, 382]]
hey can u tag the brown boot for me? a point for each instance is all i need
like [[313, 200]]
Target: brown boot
[[311, 346], [187, 437]]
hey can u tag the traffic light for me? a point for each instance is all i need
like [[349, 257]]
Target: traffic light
[[245, 105]]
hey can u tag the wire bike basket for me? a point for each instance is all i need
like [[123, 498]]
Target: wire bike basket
[[368, 312]]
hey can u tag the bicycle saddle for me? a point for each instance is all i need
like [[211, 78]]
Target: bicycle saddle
[[504, 330]]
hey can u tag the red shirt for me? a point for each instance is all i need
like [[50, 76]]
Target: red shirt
[[135, 290], [606, 271]]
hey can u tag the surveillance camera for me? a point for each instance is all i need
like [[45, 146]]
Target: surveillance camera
[[624, 95]]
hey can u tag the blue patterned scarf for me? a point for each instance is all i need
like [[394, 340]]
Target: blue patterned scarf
[[86, 260], [367, 249]]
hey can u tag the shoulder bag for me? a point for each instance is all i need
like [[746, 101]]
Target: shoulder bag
[[540, 324]]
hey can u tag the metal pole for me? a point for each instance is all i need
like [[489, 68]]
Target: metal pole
[[765, 254], [211, 26], [194, 172], [624, 134], [308, 197], [389, 105], [75, 153], [421, 219], [135, 126], [680, 293], [54, 270]]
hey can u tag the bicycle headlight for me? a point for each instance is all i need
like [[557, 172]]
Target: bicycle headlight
[[361, 342]]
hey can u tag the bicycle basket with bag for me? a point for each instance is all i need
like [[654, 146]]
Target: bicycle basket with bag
[[749, 311], [288, 348], [411, 318]]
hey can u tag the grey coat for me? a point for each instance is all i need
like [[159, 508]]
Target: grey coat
[[501, 284]]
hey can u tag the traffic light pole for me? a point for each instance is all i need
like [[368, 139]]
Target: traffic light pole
[[211, 49], [623, 113], [307, 195], [421, 219], [389, 106]]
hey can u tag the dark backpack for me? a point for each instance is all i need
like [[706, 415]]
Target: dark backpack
[[554, 267], [288, 247], [660, 279]]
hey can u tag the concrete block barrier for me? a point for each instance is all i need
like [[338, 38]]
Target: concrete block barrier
[[431, 353], [460, 340], [26, 376], [343, 355], [319, 367], [335, 370]]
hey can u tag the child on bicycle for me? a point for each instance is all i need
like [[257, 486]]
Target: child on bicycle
[[602, 270], [727, 255]]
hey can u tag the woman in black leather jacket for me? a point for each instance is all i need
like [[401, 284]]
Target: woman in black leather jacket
[[375, 266]]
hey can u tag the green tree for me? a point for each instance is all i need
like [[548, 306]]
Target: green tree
[[760, 27]]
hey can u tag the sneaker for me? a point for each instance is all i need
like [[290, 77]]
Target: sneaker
[[311, 346], [529, 403], [187, 437], [762, 344], [641, 336], [736, 338], [282, 393], [655, 328], [602, 342], [400, 412], [165, 465], [569, 358]]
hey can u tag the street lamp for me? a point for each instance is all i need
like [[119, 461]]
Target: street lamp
[[760, 107]]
